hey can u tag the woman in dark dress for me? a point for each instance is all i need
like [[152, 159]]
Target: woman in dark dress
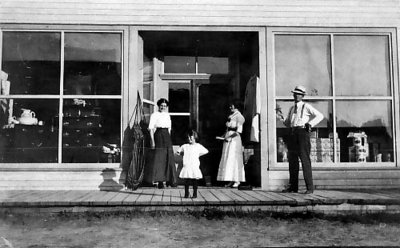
[[162, 165]]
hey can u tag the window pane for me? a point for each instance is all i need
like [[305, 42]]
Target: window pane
[[32, 61], [92, 64], [179, 97], [365, 131], [362, 65], [213, 65], [31, 135], [321, 137], [303, 60], [179, 64], [91, 131]]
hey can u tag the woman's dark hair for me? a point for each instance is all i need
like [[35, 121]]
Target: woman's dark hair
[[193, 133], [161, 101], [237, 103]]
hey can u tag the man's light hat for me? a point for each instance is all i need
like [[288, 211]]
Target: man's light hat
[[301, 90]]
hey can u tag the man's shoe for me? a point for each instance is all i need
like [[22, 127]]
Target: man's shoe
[[160, 185], [309, 191]]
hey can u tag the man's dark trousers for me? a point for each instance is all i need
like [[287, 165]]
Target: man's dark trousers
[[299, 146]]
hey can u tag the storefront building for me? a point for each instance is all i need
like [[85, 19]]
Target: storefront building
[[71, 72]]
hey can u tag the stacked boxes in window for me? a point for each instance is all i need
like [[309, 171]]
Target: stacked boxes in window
[[81, 130], [322, 150]]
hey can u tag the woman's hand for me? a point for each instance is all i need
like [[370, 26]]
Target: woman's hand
[[152, 143]]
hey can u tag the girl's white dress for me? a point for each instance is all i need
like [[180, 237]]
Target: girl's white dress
[[231, 167], [191, 161]]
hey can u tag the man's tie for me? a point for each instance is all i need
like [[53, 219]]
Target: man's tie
[[292, 117]]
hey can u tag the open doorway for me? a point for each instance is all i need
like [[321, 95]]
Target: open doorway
[[199, 72]]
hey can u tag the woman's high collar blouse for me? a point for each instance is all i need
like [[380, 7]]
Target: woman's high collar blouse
[[160, 120]]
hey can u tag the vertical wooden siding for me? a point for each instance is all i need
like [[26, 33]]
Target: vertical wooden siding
[[365, 13]]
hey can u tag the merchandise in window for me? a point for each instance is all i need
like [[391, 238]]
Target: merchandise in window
[[91, 131], [365, 127], [89, 122], [354, 80], [30, 136]]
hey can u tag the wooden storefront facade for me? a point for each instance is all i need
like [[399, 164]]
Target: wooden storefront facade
[[199, 54]]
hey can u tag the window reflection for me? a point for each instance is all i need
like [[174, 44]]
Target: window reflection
[[303, 60], [32, 61], [31, 137], [362, 65], [365, 130], [92, 64]]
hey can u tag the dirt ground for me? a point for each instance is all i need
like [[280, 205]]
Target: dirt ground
[[209, 228]]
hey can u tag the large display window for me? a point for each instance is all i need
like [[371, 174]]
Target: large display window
[[61, 95], [349, 79]]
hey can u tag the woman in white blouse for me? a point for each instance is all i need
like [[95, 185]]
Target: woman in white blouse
[[231, 167], [162, 165]]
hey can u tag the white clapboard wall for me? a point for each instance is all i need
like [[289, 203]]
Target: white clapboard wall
[[353, 13]]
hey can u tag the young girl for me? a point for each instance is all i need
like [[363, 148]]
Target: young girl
[[191, 163]]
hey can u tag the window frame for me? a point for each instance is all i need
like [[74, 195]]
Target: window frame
[[394, 97], [123, 96]]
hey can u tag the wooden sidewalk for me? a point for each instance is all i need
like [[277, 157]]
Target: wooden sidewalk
[[171, 199]]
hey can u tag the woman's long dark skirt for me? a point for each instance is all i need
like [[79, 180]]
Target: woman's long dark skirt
[[161, 163]]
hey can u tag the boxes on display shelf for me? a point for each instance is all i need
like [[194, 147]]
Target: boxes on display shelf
[[322, 150], [324, 156], [81, 132]]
